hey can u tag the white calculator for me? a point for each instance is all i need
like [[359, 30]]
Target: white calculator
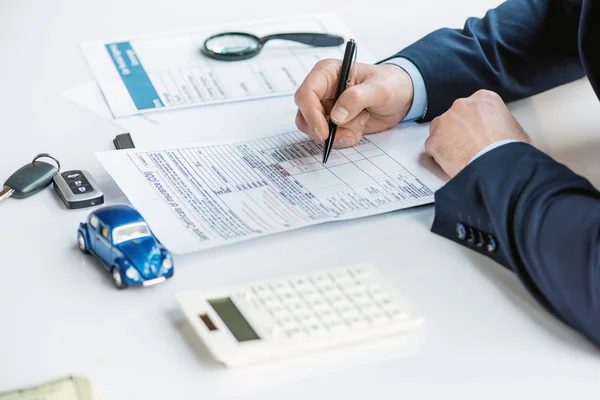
[[299, 314]]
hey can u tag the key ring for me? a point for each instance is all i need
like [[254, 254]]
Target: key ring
[[46, 155]]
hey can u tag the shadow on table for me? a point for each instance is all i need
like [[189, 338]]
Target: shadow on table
[[583, 159], [390, 348], [518, 294]]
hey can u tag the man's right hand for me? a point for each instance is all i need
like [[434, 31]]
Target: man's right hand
[[379, 97]]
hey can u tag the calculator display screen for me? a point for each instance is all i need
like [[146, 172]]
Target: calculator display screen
[[233, 319]]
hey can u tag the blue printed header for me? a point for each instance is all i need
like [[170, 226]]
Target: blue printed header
[[134, 76]]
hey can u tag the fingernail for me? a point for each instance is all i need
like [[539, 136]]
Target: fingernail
[[339, 114], [346, 142]]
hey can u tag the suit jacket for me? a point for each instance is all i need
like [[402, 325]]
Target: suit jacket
[[515, 204]]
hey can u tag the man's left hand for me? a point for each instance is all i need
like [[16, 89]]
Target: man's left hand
[[470, 125]]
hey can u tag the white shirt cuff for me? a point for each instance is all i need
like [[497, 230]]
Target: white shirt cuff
[[491, 147], [418, 108]]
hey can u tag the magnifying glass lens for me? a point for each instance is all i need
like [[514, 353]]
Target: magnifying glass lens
[[232, 44]]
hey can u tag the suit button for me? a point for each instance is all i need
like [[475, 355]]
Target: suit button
[[480, 240], [471, 235], [491, 245], [461, 231]]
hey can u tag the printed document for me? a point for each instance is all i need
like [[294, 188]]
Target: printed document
[[168, 71], [199, 197], [244, 120]]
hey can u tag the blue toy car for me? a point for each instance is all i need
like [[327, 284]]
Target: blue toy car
[[120, 238]]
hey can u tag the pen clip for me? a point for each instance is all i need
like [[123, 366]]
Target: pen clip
[[352, 66]]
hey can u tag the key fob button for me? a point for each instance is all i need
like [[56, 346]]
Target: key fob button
[[81, 189], [71, 176]]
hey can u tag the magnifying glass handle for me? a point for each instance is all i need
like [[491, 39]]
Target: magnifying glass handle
[[311, 39]]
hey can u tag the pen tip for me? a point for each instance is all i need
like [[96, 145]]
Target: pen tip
[[323, 163]]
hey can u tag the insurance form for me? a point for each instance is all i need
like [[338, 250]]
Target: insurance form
[[168, 71], [198, 197]]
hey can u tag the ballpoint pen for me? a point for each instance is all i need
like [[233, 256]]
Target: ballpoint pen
[[344, 81]]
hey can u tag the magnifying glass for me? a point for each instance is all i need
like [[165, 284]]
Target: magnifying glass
[[236, 46]]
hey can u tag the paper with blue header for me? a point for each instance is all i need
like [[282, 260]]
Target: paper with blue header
[[167, 71]]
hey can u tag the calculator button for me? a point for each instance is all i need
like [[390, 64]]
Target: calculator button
[[281, 314], [317, 302], [328, 315], [319, 307], [315, 329], [332, 292], [299, 308], [271, 302], [378, 294], [307, 289], [309, 320], [241, 297], [295, 333], [340, 276], [368, 307], [345, 283], [246, 296], [327, 287], [304, 315], [397, 314], [301, 283], [261, 290], [336, 325], [337, 298], [357, 323], [379, 319], [289, 324], [359, 296], [384, 301], [360, 274], [289, 297], [322, 281], [350, 313], [312, 297], [274, 331], [281, 287], [358, 287], [362, 299], [342, 304]]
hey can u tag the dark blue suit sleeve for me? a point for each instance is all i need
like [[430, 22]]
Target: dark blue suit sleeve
[[518, 49], [545, 221]]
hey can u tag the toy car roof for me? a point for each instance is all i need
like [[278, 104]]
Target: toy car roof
[[119, 215]]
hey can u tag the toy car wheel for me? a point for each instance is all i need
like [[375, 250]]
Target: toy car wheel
[[118, 278], [81, 242]]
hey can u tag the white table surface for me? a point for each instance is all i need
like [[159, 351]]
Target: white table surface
[[484, 336]]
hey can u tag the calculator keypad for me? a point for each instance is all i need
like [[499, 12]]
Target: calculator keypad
[[326, 302]]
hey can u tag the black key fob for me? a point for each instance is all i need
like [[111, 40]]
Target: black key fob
[[77, 189]]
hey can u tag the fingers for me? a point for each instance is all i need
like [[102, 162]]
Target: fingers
[[349, 134], [319, 86], [356, 99]]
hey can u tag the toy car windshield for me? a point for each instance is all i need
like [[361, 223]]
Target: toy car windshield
[[130, 232]]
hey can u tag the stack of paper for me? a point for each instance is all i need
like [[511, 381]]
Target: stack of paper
[[71, 388], [218, 158]]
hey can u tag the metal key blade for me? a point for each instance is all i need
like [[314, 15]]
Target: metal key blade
[[6, 193]]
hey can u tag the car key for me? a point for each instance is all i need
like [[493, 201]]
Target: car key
[[77, 189], [30, 178]]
